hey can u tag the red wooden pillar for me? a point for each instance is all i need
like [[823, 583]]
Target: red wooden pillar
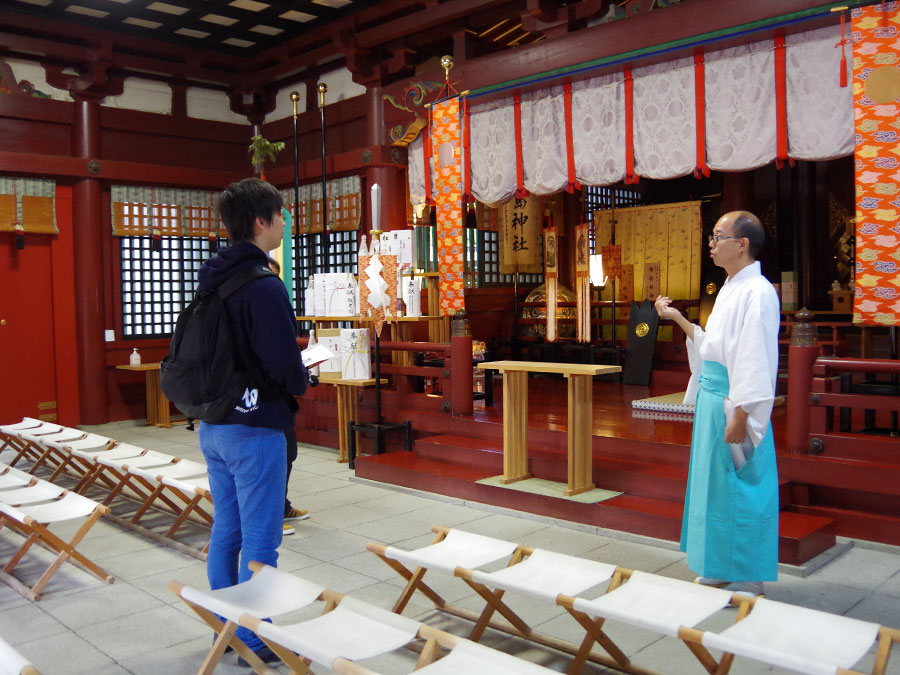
[[87, 247], [802, 354]]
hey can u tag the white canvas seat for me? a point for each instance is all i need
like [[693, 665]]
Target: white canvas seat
[[13, 663], [466, 656], [68, 461], [89, 458], [40, 491], [14, 438], [269, 593], [49, 445], [32, 521], [13, 478], [353, 630], [649, 601], [182, 485], [534, 573], [450, 549], [119, 469], [803, 640]]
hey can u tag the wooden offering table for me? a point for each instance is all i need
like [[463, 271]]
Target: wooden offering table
[[515, 417], [157, 403], [347, 407]]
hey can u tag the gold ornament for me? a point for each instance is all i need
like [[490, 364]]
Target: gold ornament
[[641, 330], [711, 288]]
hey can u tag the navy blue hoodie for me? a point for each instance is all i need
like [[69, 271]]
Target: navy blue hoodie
[[261, 317]]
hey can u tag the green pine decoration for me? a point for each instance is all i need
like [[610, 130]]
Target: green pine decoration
[[263, 151]]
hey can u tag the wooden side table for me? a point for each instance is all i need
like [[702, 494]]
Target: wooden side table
[[347, 408], [157, 403], [515, 418]]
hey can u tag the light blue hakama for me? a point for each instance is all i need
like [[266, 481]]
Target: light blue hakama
[[730, 524]]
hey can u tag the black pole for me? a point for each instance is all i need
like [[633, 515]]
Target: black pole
[[324, 236], [295, 97]]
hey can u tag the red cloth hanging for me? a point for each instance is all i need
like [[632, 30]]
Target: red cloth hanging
[[572, 183], [426, 151], [781, 130], [521, 192], [841, 44], [884, 22], [630, 177], [466, 143], [701, 170]]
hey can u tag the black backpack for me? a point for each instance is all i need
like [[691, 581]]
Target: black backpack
[[204, 374]]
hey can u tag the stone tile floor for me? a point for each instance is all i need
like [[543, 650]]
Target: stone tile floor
[[137, 626]]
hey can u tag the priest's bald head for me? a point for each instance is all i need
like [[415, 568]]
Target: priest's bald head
[[744, 225]]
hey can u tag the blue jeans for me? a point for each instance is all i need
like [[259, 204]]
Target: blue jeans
[[246, 468]]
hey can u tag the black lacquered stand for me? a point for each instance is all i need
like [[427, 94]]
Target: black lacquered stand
[[379, 427]]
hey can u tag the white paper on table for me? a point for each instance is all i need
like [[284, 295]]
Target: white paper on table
[[740, 452], [355, 355], [330, 338], [403, 245], [315, 355], [412, 296]]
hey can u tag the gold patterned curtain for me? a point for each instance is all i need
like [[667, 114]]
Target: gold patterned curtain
[[140, 210], [666, 234], [30, 202], [343, 205]]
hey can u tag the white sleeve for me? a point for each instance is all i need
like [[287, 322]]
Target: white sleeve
[[695, 362], [752, 374]]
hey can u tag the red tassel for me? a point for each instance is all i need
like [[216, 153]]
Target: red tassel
[[843, 42], [781, 131], [521, 192], [155, 240], [572, 183], [884, 20], [467, 142], [630, 177], [213, 241], [20, 236], [701, 170]]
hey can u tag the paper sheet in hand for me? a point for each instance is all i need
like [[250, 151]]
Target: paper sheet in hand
[[315, 355], [740, 452]]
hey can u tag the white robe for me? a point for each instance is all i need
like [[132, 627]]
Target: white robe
[[742, 334]]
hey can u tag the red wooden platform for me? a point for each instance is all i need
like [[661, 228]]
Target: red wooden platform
[[646, 459]]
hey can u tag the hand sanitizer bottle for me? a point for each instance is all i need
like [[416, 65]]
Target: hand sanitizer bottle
[[134, 359]]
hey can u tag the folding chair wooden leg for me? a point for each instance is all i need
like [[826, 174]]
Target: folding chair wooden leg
[[886, 639], [413, 581], [494, 600]]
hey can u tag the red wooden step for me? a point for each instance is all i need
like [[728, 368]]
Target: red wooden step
[[857, 524]]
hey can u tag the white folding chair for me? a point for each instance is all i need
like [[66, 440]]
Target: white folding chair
[[32, 521], [543, 575], [802, 640], [186, 481], [13, 663], [49, 445], [13, 438], [269, 593], [89, 457], [451, 549], [68, 461], [660, 604]]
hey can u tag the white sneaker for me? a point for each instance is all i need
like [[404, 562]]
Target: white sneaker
[[709, 581], [288, 529]]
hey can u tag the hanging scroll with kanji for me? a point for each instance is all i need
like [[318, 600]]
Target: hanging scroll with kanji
[[551, 276], [445, 152], [582, 283], [520, 236], [668, 235], [876, 101]]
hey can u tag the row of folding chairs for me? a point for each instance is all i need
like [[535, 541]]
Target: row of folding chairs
[[29, 506], [345, 632], [155, 479], [593, 593]]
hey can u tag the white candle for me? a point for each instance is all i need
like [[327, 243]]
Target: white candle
[[376, 207]]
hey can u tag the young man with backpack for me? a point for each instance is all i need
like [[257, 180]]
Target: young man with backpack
[[245, 450]]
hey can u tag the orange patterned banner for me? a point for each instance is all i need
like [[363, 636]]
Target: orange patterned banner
[[445, 144], [876, 94]]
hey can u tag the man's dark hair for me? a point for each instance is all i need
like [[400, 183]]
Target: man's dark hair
[[240, 204], [747, 225]]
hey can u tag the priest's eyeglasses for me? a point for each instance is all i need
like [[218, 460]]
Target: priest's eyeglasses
[[719, 237]]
